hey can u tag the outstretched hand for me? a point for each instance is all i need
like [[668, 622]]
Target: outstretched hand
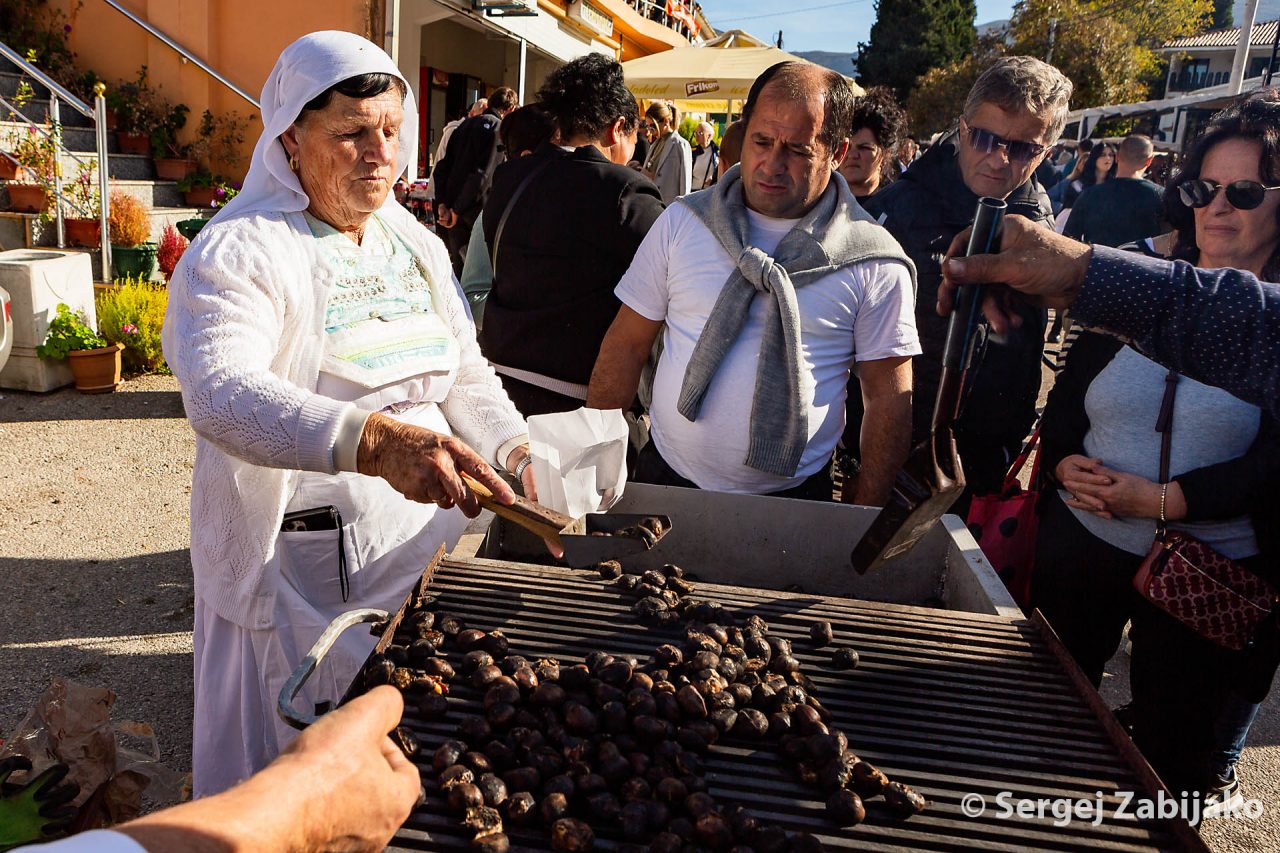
[[1037, 265], [424, 466]]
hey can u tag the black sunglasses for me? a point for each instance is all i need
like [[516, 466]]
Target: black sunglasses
[[984, 142], [1242, 195]]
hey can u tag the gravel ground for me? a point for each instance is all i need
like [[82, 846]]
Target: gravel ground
[[93, 520]]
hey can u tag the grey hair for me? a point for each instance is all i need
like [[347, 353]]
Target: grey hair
[[1023, 84]]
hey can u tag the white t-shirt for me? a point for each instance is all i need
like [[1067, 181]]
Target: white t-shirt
[[866, 312]]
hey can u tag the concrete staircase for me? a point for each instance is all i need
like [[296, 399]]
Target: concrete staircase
[[131, 173]]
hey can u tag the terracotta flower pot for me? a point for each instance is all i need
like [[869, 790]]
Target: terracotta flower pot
[[174, 168], [8, 169], [113, 119], [200, 196], [83, 232], [27, 198], [96, 371], [133, 143]]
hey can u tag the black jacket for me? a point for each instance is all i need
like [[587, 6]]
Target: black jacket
[[570, 236], [925, 209], [464, 174]]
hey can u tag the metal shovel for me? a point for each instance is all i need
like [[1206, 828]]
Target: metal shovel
[[586, 541], [932, 479]]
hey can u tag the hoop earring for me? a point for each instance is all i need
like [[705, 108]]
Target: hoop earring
[[293, 163]]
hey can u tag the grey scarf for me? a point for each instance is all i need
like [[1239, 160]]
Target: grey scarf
[[835, 234]]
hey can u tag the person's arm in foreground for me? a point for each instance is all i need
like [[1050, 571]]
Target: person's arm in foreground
[[342, 785], [623, 354], [1220, 327], [885, 439]]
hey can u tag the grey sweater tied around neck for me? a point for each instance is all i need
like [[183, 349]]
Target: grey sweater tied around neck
[[834, 234]]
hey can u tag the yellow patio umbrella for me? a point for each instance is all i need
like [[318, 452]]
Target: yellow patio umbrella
[[707, 77]]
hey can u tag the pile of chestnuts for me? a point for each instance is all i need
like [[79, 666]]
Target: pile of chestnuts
[[620, 746]]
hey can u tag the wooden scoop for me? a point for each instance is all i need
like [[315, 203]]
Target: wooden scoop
[[587, 540]]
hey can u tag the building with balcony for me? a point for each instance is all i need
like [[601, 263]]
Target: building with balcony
[[1204, 61]]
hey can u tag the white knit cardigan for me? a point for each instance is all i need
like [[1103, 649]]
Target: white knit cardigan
[[244, 335]]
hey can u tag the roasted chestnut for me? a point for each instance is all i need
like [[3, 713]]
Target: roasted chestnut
[[469, 639], [903, 802], [868, 780], [846, 808], [457, 774], [609, 569], [447, 754], [493, 789], [572, 836], [844, 659], [553, 808], [464, 796], [520, 808], [820, 633]]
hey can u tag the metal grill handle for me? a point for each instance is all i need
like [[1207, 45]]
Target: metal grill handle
[[284, 705]]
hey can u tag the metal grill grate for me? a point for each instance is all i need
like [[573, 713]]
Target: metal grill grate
[[950, 703]]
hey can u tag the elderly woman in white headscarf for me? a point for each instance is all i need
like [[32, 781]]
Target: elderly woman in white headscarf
[[331, 373]]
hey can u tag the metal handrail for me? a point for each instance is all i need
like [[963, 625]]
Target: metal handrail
[[98, 113], [186, 54], [48, 82]]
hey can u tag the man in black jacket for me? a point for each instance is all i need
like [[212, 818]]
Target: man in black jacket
[[576, 216], [1012, 116], [464, 175]]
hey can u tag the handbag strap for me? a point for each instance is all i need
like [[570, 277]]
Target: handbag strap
[[506, 213], [1164, 426], [1011, 476]]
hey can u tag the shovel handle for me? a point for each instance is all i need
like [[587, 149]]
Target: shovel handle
[[536, 518]]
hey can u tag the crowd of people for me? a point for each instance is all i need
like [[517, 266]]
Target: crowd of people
[[757, 301]]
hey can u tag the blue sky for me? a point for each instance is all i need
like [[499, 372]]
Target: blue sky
[[815, 24]]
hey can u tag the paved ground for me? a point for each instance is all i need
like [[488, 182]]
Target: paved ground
[[97, 585]]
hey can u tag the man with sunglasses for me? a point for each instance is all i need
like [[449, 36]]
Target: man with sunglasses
[[1125, 209], [1013, 114]]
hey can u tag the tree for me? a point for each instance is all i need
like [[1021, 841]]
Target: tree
[[910, 37], [1105, 47], [1223, 14]]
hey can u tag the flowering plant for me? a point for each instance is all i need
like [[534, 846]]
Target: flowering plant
[[36, 150], [81, 195], [68, 333], [131, 312]]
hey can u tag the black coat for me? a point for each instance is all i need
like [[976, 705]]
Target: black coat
[[463, 176], [925, 209], [568, 240]]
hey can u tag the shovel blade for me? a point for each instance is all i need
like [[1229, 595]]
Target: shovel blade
[[927, 486], [590, 540]]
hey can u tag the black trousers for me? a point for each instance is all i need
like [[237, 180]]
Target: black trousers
[[532, 400], [653, 469], [1180, 681]]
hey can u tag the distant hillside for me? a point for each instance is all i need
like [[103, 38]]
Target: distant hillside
[[996, 26], [841, 62]]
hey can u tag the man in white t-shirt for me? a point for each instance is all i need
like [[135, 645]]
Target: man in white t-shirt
[[859, 312]]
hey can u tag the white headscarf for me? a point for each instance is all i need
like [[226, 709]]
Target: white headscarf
[[306, 68]]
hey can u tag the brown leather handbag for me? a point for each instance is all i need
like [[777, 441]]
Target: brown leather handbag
[[1212, 595]]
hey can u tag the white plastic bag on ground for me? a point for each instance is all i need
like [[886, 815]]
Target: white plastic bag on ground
[[579, 459]]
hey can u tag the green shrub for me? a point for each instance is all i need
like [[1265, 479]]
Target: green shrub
[[132, 313]]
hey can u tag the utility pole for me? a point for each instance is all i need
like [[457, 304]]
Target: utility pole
[[778, 41], [1242, 48], [1053, 38]]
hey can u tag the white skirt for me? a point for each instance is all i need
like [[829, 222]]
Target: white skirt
[[239, 671]]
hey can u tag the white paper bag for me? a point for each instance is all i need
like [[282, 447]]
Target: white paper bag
[[579, 459]]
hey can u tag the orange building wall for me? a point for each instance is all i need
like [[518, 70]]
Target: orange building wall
[[241, 39]]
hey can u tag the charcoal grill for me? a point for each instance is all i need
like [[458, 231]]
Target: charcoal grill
[[950, 703]]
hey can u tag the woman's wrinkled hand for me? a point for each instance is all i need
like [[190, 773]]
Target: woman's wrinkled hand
[[424, 465], [1080, 477]]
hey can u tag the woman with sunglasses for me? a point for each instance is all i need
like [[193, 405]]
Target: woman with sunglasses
[[1192, 700]]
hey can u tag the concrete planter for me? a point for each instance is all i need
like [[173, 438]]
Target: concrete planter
[[96, 371]]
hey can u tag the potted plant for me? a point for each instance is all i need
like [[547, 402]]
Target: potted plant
[[82, 216], [95, 364], [8, 166], [173, 161], [131, 312], [130, 230], [35, 151], [138, 108], [202, 189]]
